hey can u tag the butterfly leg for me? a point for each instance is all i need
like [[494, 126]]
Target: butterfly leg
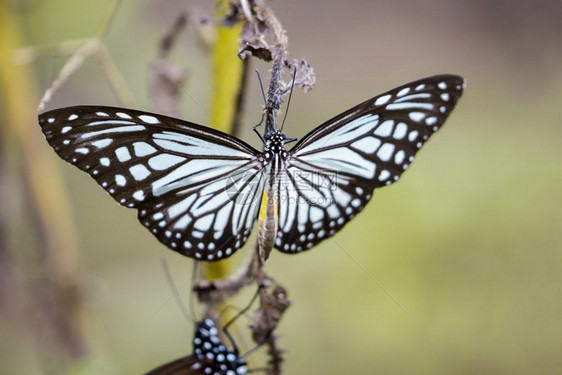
[[290, 140], [241, 312], [254, 128]]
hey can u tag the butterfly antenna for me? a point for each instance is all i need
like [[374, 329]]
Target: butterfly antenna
[[290, 95], [261, 86], [176, 290]]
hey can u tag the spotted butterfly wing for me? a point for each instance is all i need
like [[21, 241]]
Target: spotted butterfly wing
[[331, 173], [210, 356], [194, 188], [180, 366]]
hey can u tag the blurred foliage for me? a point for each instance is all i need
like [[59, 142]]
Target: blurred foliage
[[468, 243]]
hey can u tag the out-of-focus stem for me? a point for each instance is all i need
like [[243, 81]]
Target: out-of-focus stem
[[49, 211], [227, 72]]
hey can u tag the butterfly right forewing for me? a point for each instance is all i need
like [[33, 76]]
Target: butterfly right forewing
[[331, 173]]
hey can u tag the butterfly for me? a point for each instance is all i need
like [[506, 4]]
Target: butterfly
[[199, 191], [210, 356]]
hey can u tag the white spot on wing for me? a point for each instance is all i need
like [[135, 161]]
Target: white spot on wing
[[445, 97], [403, 92], [416, 116], [409, 105], [422, 95], [123, 115], [82, 150], [384, 175], [139, 172], [400, 131], [72, 117], [385, 152], [342, 158], [383, 99], [413, 135], [385, 129], [164, 161], [399, 157], [51, 120], [316, 214], [221, 221], [123, 154], [367, 145], [138, 195], [120, 180], [181, 207], [342, 197], [101, 114], [119, 129], [102, 142], [431, 120], [442, 85], [183, 222], [143, 149], [149, 119], [105, 162], [110, 122], [66, 129]]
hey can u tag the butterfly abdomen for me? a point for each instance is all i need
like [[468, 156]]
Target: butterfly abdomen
[[267, 222]]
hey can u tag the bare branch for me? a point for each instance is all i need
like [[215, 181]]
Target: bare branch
[[114, 77], [73, 63]]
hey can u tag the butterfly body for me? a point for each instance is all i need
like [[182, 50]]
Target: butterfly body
[[199, 191], [276, 155]]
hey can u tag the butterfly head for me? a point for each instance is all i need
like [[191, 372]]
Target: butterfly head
[[275, 143]]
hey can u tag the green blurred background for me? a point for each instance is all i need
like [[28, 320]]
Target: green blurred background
[[468, 243]]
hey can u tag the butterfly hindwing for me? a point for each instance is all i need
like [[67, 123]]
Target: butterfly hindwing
[[180, 366], [334, 169], [192, 186]]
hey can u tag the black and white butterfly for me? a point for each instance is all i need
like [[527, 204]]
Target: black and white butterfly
[[210, 356], [199, 190]]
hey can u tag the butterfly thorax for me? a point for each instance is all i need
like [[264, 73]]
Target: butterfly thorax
[[274, 145]]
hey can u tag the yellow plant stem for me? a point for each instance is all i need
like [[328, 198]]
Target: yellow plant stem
[[227, 71]]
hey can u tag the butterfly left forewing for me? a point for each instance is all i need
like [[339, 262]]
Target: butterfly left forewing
[[366, 147], [192, 186]]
